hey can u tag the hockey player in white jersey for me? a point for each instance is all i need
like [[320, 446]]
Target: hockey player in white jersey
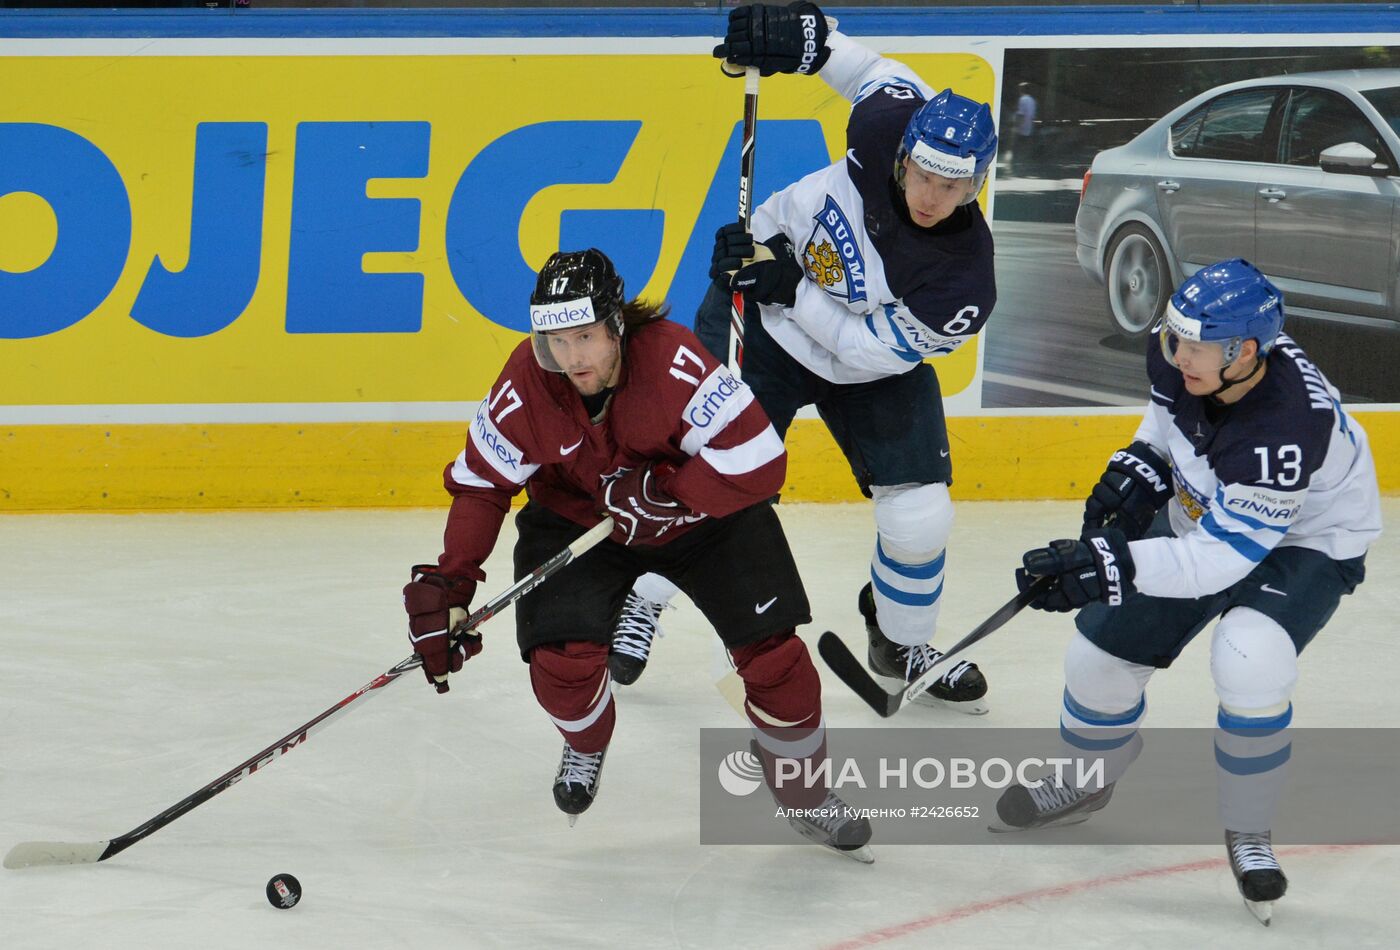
[[1268, 501], [854, 276]]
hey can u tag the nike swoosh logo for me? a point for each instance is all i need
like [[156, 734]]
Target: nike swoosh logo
[[760, 608], [1269, 590], [851, 154], [943, 453], [570, 449]]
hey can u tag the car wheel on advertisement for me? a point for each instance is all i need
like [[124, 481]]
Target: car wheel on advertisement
[[1137, 280]]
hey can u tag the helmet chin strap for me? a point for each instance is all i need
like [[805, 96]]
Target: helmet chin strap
[[1227, 383]]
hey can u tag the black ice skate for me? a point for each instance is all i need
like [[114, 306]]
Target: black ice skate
[[576, 782], [1256, 871], [638, 625], [1052, 805], [833, 825], [962, 686]]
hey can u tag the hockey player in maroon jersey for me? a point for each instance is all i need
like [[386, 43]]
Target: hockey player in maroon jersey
[[611, 409]]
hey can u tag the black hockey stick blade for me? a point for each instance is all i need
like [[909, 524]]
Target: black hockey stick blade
[[850, 671]]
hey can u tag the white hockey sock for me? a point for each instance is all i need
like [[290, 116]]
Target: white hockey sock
[[1251, 759], [1093, 736]]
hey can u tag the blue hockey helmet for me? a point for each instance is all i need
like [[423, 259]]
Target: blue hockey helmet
[[952, 136], [1225, 303]]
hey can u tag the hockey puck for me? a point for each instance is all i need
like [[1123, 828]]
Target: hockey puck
[[283, 891]]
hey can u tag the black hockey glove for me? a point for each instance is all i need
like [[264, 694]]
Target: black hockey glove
[[1132, 491], [436, 603], [763, 273], [1099, 567], [789, 39]]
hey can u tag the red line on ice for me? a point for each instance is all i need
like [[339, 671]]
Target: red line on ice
[[884, 934]]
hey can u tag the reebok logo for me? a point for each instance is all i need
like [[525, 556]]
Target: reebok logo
[[809, 43], [1113, 578]]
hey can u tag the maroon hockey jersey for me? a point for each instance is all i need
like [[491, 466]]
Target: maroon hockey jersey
[[673, 402]]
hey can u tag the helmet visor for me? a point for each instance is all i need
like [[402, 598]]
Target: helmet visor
[[546, 318], [1182, 344]]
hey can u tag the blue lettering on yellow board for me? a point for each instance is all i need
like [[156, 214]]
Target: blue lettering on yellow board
[[483, 216], [221, 274], [788, 150], [334, 224], [90, 203]]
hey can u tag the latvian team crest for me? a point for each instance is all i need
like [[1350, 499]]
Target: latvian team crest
[[832, 255]]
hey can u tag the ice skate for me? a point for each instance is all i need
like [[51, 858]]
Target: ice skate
[[962, 686], [576, 782], [833, 825], [1051, 805], [638, 625], [1256, 871]]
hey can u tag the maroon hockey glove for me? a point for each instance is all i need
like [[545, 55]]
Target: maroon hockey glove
[[776, 39], [639, 503], [436, 604]]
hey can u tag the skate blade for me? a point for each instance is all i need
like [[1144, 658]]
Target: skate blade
[[970, 707], [1004, 829], [863, 854], [1263, 911]]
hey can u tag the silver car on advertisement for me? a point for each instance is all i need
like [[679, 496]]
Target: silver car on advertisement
[[1295, 173]]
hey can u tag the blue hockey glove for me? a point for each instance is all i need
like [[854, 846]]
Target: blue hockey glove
[[789, 39], [764, 273], [1098, 567], [1132, 491]]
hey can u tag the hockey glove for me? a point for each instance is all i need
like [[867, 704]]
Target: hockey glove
[[641, 506], [1132, 491], [763, 273], [1099, 567], [436, 604], [789, 39]]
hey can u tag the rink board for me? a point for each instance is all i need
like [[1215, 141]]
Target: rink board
[[287, 284]]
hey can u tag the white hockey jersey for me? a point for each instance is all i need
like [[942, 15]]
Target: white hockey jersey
[[1286, 465], [880, 293]]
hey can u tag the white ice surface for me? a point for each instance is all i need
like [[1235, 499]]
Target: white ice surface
[[141, 656]]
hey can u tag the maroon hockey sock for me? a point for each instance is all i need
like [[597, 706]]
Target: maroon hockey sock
[[571, 684], [784, 705]]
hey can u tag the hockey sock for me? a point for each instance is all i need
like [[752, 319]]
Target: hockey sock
[[906, 570], [1251, 759], [571, 683], [783, 704], [1103, 744]]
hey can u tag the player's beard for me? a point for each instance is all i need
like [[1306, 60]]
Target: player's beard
[[604, 375]]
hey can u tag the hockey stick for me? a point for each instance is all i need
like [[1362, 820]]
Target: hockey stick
[[746, 157], [843, 663], [35, 853]]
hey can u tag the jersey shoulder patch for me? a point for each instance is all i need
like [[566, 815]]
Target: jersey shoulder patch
[[832, 255]]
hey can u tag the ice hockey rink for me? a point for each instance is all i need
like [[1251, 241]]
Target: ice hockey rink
[[146, 654]]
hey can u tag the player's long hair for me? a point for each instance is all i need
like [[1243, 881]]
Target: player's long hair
[[639, 312]]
